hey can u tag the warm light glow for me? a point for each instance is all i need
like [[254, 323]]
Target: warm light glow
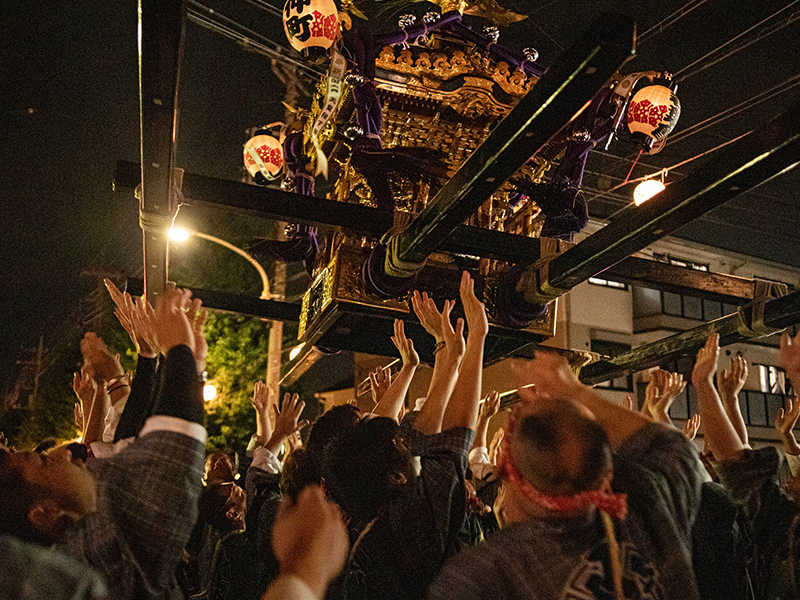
[[646, 190], [178, 234], [263, 154], [294, 352], [209, 392], [311, 23]]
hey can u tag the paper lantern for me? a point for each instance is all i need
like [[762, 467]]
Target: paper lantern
[[653, 113], [311, 23], [646, 190], [263, 157]]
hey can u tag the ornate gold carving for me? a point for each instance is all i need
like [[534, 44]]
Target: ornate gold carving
[[444, 66]]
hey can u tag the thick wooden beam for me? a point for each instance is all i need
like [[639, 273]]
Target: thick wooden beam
[[777, 314], [250, 306], [563, 91], [160, 49], [765, 153], [272, 203], [680, 280]]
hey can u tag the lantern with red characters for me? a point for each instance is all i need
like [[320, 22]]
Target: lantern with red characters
[[653, 112], [263, 157], [311, 23]]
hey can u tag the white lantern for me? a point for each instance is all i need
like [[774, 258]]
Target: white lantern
[[646, 190], [653, 113], [263, 157], [311, 23]]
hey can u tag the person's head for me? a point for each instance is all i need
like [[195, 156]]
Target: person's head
[[330, 425], [219, 468], [223, 505], [368, 466], [559, 448], [41, 494]]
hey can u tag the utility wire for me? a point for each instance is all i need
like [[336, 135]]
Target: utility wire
[[270, 8], [784, 86], [687, 71], [670, 20]]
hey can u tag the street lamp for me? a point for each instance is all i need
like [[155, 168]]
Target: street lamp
[[179, 234]]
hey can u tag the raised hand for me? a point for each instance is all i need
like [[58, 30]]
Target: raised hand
[[261, 403], [789, 357], [286, 421], [731, 381], [627, 403], [661, 392], [474, 309], [428, 315], [84, 386], [197, 316], [707, 359], [171, 324], [310, 539], [496, 445], [550, 376], [404, 345], [490, 405], [379, 382], [691, 427], [98, 359], [452, 338], [785, 421]]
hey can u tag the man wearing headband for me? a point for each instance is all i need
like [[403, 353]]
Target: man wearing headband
[[598, 502]]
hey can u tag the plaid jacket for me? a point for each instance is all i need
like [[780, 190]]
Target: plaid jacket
[[147, 506]]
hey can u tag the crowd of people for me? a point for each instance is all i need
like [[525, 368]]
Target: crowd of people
[[575, 497]]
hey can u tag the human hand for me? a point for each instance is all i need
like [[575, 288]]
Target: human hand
[[548, 375], [294, 441], [77, 416], [428, 315], [98, 359], [404, 345], [495, 446], [286, 418], [474, 309], [706, 365], [261, 403], [171, 324], [731, 381], [691, 427], [454, 345], [84, 386], [661, 392], [379, 381], [789, 356], [627, 403], [310, 539], [490, 405], [785, 421]]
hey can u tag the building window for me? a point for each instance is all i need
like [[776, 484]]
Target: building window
[[680, 262], [607, 283], [771, 380], [691, 307], [610, 350]]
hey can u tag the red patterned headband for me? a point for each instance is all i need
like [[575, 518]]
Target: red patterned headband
[[603, 498]]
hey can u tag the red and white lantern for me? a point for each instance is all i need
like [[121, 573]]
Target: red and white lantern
[[653, 112], [263, 155], [311, 23]]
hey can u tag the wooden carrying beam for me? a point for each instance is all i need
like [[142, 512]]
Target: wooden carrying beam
[[564, 90], [767, 152], [272, 203], [160, 48], [752, 321]]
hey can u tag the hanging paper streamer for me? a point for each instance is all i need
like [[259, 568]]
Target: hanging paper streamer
[[332, 99]]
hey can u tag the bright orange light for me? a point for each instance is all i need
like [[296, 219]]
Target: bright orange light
[[178, 234], [209, 392], [646, 190]]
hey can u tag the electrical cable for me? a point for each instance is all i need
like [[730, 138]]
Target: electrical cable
[[670, 20], [685, 72], [270, 8]]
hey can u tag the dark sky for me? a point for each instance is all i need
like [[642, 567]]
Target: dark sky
[[69, 105]]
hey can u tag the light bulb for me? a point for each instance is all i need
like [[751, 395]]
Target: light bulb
[[178, 234], [646, 190], [294, 352], [209, 392]]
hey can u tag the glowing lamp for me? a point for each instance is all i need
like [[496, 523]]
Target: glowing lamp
[[646, 190], [311, 23], [263, 157], [653, 112], [178, 234], [295, 351], [209, 392]]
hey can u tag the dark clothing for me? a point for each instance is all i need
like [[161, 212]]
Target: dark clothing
[[772, 519], [568, 558], [263, 499], [140, 401], [408, 541], [721, 547]]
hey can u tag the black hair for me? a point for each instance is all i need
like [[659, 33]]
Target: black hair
[[542, 440], [358, 465]]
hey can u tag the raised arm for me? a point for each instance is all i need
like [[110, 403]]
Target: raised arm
[[785, 421], [552, 377], [262, 405], [722, 438], [462, 411], [730, 382], [392, 400], [489, 408], [660, 393], [450, 350]]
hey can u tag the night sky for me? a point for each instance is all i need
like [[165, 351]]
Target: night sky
[[69, 102]]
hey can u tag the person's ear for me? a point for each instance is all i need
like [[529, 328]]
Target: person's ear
[[48, 518]]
